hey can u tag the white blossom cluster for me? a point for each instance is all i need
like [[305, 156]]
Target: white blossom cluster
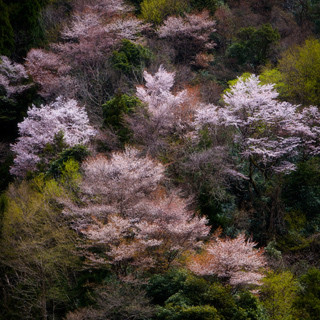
[[40, 128]]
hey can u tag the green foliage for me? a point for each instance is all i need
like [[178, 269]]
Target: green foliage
[[70, 176], [77, 153], [278, 293], [274, 76], [220, 297], [162, 286], [6, 31], [25, 20], [131, 59], [155, 11], [114, 111], [37, 251], [210, 5], [301, 193], [188, 313], [185, 296], [50, 152], [250, 307], [253, 45], [272, 251], [300, 67], [307, 302], [314, 14], [216, 210]]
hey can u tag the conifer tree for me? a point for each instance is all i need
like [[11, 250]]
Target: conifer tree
[[6, 31]]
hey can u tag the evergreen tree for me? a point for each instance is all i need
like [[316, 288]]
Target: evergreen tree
[[24, 17], [6, 31]]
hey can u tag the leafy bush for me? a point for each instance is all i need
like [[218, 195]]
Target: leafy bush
[[131, 58], [77, 153], [274, 76], [253, 45], [162, 286], [37, 253], [185, 296], [301, 193], [250, 306], [155, 11], [278, 294], [300, 71], [114, 111], [308, 299], [188, 313]]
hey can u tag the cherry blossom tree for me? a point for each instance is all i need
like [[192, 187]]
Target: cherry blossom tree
[[307, 127], [88, 40], [167, 114], [40, 128], [125, 28], [50, 72], [235, 260], [130, 216], [270, 133], [107, 8], [267, 138], [13, 77], [85, 40], [92, 33], [123, 179], [190, 34], [17, 92], [157, 95]]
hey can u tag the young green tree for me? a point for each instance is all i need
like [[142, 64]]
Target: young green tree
[[300, 67], [182, 296], [278, 293], [131, 59], [114, 112], [155, 11], [307, 302], [37, 252], [253, 45]]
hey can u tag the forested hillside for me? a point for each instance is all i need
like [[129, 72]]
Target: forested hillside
[[160, 159]]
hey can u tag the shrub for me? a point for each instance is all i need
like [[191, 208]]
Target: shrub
[[155, 11], [131, 58], [253, 45], [300, 67], [308, 300], [189, 313], [278, 294], [114, 111], [77, 153]]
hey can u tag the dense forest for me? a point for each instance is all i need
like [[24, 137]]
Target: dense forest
[[160, 159]]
